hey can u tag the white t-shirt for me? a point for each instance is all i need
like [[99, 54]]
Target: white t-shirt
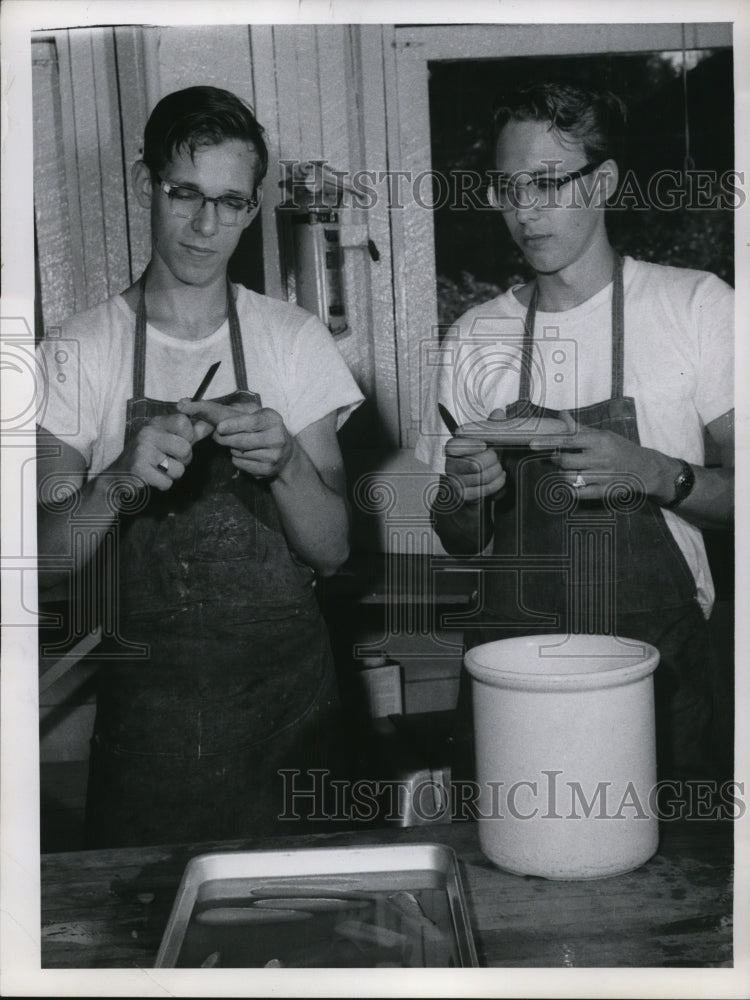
[[679, 368], [291, 359]]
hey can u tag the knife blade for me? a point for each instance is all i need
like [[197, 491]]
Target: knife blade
[[205, 382], [448, 419]]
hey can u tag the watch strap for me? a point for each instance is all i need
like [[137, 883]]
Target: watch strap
[[683, 485]]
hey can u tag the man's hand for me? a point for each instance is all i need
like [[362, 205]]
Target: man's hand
[[161, 450], [596, 459], [474, 467], [256, 436]]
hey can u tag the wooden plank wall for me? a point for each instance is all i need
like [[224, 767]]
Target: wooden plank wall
[[134, 106], [86, 111], [414, 231], [51, 195], [93, 160]]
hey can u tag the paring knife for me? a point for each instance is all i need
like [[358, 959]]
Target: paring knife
[[205, 382], [448, 419]]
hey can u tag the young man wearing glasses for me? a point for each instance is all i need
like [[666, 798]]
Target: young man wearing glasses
[[224, 510], [636, 360]]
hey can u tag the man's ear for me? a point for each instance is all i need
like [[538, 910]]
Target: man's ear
[[611, 174], [142, 182]]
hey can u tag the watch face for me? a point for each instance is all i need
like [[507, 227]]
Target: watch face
[[683, 484]]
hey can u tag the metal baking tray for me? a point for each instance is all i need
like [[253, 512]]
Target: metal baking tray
[[357, 907]]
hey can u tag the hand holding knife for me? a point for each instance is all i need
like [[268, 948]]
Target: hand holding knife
[[485, 477], [199, 394]]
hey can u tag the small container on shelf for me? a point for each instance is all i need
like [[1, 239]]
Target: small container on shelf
[[381, 683]]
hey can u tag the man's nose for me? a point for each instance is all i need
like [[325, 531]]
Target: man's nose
[[527, 209], [526, 198], [206, 221]]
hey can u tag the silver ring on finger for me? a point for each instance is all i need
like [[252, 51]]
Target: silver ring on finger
[[164, 465], [579, 482]]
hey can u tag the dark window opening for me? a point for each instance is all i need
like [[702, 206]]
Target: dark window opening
[[475, 257]]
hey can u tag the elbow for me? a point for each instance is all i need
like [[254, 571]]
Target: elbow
[[337, 547], [330, 562], [329, 569]]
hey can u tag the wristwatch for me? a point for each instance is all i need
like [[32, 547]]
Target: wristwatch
[[683, 485]]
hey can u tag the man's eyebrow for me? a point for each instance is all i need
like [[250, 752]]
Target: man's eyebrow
[[235, 193]]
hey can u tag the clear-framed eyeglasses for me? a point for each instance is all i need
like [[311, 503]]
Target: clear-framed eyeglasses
[[187, 202], [525, 189]]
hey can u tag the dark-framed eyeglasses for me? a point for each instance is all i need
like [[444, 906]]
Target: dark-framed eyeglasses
[[187, 202], [525, 189]]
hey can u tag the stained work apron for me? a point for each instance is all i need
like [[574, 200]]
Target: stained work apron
[[614, 567], [239, 680]]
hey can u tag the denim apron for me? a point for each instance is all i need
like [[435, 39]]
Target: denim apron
[[613, 565], [238, 681]]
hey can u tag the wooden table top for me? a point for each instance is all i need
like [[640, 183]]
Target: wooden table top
[[108, 909]]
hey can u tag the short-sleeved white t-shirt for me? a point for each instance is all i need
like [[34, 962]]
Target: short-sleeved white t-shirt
[[679, 368], [291, 359]]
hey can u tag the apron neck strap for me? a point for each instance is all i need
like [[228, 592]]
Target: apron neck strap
[[618, 330], [618, 336], [235, 340], [139, 348]]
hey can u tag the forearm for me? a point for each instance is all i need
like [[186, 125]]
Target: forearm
[[463, 528], [711, 500], [314, 516]]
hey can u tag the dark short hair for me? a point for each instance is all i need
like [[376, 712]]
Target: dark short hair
[[595, 119], [200, 116]]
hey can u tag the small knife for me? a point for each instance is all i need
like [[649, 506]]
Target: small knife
[[448, 419], [206, 382]]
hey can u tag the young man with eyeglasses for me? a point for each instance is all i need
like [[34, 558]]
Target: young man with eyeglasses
[[636, 360], [222, 510]]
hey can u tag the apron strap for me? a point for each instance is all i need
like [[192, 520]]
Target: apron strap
[[618, 336], [139, 347], [235, 339], [524, 391], [618, 330]]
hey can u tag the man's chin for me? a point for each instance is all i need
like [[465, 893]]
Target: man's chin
[[544, 266], [197, 276]]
